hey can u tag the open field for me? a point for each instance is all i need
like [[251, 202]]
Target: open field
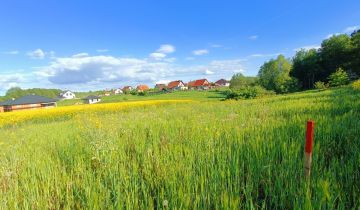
[[192, 155], [211, 95]]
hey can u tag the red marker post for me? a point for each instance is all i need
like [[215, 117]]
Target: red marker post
[[308, 147]]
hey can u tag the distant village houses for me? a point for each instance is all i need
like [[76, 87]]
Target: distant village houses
[[223, 83], [160, 86], [177, 85], [27, 102], [127, 89], [118, 91], [67, 94], [201, 84], [91, 99], [142, 88]]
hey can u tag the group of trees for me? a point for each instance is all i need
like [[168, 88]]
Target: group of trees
[[335, 63], [336, 53], [16, 92]]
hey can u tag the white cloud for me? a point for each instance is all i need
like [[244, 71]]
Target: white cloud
[[163, 82], [102, 50], [80, 55], [36, 54], [351, 29], [10, 80], [166, 49], [201, 52], [208, 72], [253, 37], [215, 45], [189, 58], [307, 47], [157, 56], [12, 52]]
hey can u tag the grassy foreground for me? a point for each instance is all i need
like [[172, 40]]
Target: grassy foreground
[[195, 155]]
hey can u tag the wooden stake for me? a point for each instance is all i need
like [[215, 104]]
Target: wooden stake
[[308, 147]]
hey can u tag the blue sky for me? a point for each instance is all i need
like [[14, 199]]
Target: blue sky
[[87, 45]]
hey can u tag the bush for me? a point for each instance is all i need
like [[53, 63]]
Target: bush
[[247, 93], [356, 84], [144, 93], [320, 85], [338, 78]]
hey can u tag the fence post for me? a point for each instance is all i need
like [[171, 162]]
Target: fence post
[[308, 147]]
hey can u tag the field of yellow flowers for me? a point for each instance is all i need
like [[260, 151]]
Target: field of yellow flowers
[[245, 154], [13, 118]]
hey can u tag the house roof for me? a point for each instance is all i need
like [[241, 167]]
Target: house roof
[[127, 87], [29, 99], [91, 97], [199, 82], [174, 84], [222, 81], [142, 87]]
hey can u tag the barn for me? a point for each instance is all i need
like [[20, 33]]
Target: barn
[[27, 102]]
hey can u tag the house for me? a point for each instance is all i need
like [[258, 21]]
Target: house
[[142, 88], [107, 93], [177, 85], [27, 102], [92, 99], [1, 109], [160, 86], [223, 83], [118, 91], [127, 89], [67, 94], [200, 84]]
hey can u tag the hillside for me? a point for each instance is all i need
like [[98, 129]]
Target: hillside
[[189, 155]]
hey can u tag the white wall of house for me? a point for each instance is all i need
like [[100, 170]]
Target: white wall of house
[[118, 91], [94, 101], [68, 95]]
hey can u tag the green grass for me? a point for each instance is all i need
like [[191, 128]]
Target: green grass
[[199, 155], [211, 95]]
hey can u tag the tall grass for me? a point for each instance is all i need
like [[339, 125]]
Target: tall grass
[[211, 155]]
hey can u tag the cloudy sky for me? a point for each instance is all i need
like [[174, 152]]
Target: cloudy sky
[[88, 45]]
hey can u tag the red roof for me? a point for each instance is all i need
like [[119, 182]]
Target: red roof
[[174, 84], [222, 82], [142, 87], [200, 82]]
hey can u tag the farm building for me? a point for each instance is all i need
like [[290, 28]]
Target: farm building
[[223, 83], [107, 93], [67, 94], [160, 86], [118, 91], [27, 102], [177, 85], [127, 89], [200, 84], [92, 99], [142, 88]]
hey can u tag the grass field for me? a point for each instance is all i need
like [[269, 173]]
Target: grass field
[[187, 155], [212, 95]]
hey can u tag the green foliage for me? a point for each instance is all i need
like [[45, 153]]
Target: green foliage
[[306, 68], [274, 75], [338, 78], [239, 81], [320, 85], [247, 93], [16, 92], [356, 84], [142, 93], [210, 155], [355, 54]]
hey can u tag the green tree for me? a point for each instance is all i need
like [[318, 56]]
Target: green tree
[[306, 68], [274, 75], [335, 53], [239, 81], [340, 77], [355, 54]]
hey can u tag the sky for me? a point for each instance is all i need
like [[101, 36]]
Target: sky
[[89, 45]]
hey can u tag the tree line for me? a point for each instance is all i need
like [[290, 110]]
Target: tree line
[[335, 63]]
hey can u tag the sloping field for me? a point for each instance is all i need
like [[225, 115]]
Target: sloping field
[[193, 155]]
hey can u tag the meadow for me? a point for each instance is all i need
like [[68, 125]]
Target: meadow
[[194, 154]]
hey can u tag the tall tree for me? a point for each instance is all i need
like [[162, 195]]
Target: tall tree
[[355, 58], [274, 75], [306, 68], [239, 81], [335, 53]]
